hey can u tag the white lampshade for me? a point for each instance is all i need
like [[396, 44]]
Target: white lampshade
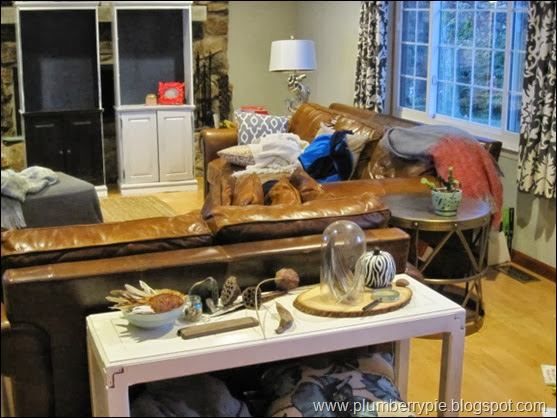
[[292, 55]]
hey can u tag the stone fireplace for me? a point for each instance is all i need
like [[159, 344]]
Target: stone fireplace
[[211, 86]]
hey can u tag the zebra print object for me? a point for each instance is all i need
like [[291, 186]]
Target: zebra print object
[[377, 267]]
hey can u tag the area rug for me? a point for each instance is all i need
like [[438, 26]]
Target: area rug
[[128, 208]]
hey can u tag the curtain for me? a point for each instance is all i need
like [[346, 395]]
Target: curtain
[[371, 64], [536, 153]]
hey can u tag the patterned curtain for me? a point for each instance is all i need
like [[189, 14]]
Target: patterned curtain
[[536, 154], [371, 65]]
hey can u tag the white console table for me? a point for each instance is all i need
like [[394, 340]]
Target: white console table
[[121, 356]]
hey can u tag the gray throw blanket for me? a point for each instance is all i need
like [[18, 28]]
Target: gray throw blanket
[[414, 143], [15, 187]]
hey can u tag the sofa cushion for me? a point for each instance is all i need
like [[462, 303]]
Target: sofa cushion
[[253, 125], [307, 120], [283, 193], [306, 185], [248, 190], [34, 246], [259, 222]]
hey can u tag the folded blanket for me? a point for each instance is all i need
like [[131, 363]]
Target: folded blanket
[[414, 143], [15, 187]]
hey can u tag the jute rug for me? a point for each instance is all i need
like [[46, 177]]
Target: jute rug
[[128, 208]]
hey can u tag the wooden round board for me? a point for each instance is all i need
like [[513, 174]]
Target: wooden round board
[[311, 302]]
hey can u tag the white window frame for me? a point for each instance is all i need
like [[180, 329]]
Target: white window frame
[[509, 139]]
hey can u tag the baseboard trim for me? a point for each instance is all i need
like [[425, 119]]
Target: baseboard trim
[[533, 265]]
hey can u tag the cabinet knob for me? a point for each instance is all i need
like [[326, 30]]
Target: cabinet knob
[[61, 152], [69, 151]]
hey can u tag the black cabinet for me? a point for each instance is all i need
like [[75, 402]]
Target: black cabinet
[[60, 87], [66, 141]]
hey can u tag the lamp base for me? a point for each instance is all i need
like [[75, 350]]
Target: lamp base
[[300, 92]]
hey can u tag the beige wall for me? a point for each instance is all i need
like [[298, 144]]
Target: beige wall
[[334, 28]]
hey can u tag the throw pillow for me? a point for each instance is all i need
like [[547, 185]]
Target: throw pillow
[[248, 191], [306, 185], [253, 125], [238, 155], [356, 144], [362, 378], [283, 193]]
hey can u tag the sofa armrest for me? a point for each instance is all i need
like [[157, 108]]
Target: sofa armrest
[[212, 141]]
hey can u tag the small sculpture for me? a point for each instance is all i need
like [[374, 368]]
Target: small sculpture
[[301, 92], [378, 268]]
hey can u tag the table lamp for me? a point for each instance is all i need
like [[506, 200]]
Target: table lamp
[[293, 55]]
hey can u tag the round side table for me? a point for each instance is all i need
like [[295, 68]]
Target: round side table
[[414, 213]]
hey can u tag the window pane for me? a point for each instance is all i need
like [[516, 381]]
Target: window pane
[[483, 29], [445, 5], [498, 69], [409, 4], [407, 60], [406, 92], [421, 61], [420, 95], [484, 5], [482, 68], [423, 27], [465, 4], [464, 66], [448, 27], [501, 5], [515, 103], [465, 32], [409, 26], [480, 106], [445, 98], [446, 64], [496, 109], [423, 4], [462, 108], [500, 30]]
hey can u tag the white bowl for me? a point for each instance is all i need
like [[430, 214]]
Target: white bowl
[[153, 320]]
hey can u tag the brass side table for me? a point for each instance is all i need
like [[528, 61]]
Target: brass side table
[[414, 213]]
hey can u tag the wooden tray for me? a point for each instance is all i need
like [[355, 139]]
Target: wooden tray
[[311, 302]]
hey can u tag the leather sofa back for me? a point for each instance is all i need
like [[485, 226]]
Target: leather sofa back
[[35, 246]]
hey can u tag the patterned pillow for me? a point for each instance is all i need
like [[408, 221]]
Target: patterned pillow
[[253, 125], [238, 154], [361, 379]]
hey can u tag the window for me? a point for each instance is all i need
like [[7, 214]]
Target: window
[[462, 62]]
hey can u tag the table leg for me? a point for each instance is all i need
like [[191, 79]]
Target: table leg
[[451, 366], [402, 362]]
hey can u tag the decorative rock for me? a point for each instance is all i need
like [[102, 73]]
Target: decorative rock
[[402, 283], [377, 267], [206, 289]]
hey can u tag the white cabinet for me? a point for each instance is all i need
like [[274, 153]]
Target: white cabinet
[[152, 43]]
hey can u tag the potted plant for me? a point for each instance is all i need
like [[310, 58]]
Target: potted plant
[[446, 196]]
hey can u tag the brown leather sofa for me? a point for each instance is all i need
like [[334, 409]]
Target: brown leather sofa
[[54, 277]]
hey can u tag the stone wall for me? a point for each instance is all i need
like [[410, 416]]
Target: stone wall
[[210, 37]]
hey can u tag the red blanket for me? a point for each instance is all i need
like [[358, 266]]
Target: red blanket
[[474, 167]]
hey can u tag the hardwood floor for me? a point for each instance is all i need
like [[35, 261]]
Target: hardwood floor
[[501, 361]]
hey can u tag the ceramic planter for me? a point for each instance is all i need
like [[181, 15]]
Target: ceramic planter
[[445, 203]]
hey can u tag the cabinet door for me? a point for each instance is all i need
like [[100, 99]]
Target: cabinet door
[[83, 146], [175, 145], [139, 147], [44, 141]]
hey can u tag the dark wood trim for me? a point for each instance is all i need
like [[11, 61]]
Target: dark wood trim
[[533, 265]]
